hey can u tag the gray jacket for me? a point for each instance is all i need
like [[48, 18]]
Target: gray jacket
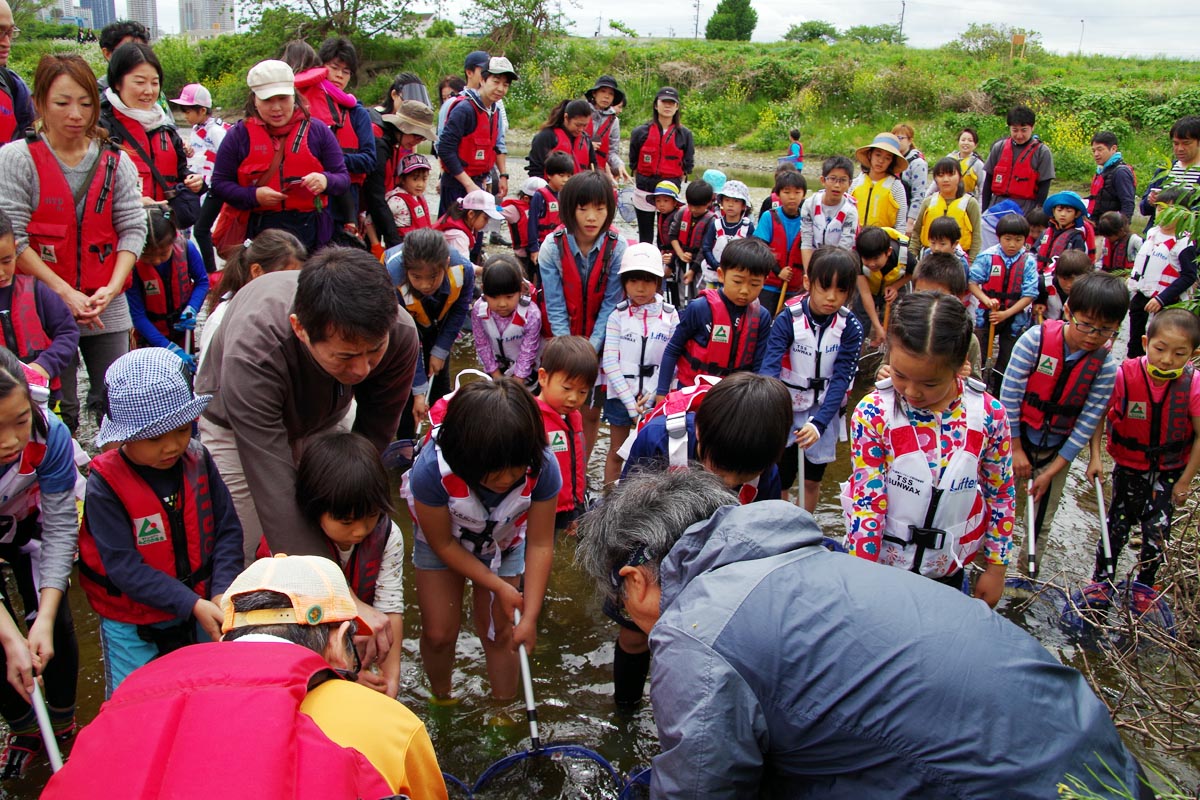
[[784, 670]]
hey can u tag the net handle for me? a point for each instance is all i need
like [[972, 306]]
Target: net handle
[[527, 682]]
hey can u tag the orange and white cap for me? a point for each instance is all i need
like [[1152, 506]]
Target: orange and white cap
[[315, 586]]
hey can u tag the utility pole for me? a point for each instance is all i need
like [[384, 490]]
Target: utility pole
[[1080, 52], [599, 25], [696, 32], [900, 33]]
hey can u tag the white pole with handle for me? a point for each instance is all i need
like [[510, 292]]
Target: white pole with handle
[[1030, 533], [43, 718], [1109, 565], [527, 681]]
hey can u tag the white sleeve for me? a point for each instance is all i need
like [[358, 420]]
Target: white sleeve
[[389, 588]]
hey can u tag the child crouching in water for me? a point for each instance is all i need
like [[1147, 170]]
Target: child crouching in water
[[506, 324], [1154, 440], [341, 487], [932, 482], [482, 499], [153, 498]]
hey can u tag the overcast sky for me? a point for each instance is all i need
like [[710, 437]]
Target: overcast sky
[[1109, 27]]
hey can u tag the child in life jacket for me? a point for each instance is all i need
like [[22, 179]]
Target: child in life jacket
[[668, 208], [436, 289], [795, 150], [1057, 282], [1038, 222], [407, 201], [169, 287], [884, 254], [878, 190], [482, 499], [1004, 279], [932, 486], [634, 340], [943, 273], [829, 217], [732, 223], [566, 377], [780, 229], [726, 329], [687, 237], [544, 217], [1163, 272], [195, 101], [944, 235], [1121, 245], [37, 482], [152, 500], [950, 200], [773, 198], [736, 428], [466, 217], [35, 323], [506, 324], [1066, 211], [342, 488], [1154, 440], [1057, 388], [516, 214], [813, 348]]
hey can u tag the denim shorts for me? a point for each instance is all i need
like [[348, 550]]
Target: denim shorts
[[615, 413], [512, 560]]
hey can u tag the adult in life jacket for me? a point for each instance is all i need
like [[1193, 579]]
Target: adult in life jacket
[[604, 127], [16, 105], [1114, 187], [881, 197], [565, 129], [134, 119], [1020, 166], [916, 173], [660, 150], [397, 134], [85, 253], [278, 167], [306, 729], [38, 531]]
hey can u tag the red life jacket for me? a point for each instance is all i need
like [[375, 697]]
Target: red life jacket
[[1101, 189], [550, 219], [1004, 282], [580, 148], [477, 150], [251, 691], [418, 212], [599, 139], [1146, 434], [1017, 179], [664, 232], [1055, 395], [8, 112], [1116, 255], [1054, 243], [298, 161], [583, 302], [323, 107], [155, 534], [21, 329], [786, 256], [564, 437], [519, 230], [449, 223], [660, 155], [691, 235], [362, 570], [166, 299], [78, 250], [729, 348], [157, 144]]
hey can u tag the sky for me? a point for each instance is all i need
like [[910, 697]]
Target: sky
[[1108, 27]]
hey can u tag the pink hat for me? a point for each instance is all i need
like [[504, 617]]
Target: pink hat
[[194, 95], [479, 200]]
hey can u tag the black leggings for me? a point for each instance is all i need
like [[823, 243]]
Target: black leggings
[[202, 230], [646, 224], [789, 467]]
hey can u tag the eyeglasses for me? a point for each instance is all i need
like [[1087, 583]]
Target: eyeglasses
[[1090, 330], [836, 181], [10, 33]]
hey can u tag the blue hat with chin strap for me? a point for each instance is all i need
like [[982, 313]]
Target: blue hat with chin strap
[[1069, 199]]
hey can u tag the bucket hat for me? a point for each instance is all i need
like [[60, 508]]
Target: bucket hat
[[412, 117], [605, 82], [714, 178], [736, 190], [668, 189], [1071, 199], [479, 200], [314, 585], [642, 257], [888, 143], [148, 395]]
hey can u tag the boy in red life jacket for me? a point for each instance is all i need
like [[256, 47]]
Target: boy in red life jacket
[[1004, 279], [35, 323], [568, 372], [342, 488], [1057, 283], [544, 217], [780, 228], [725, 330], [169, 287], [1121, 245], [1065, 232], [1154, 440], [407, 201], [686, 236], [1163, 272], [1057, 388], [468, 142], [668, 208], [160, 540], [1020, 166]]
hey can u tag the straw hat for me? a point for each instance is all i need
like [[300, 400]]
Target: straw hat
[[888, 143]]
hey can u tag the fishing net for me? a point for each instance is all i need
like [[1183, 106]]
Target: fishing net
[[1117, 611]]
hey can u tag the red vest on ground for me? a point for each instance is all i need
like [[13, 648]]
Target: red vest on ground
[[80, 251], [362, 570], [1004, 282], [161, 149], [580, 148], [519, 230], [147, 741], [477, 150], [550, 219], [153, 534], [583, 302], [21, 329], [1145, 434], [786, 256], [1055, 393], [599, 139], [297, 162], [729, 348], [418, 213], [1016, 177], [564, 437], [660, 155], [166, 298]]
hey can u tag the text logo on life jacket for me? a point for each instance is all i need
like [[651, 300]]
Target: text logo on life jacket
[[151, 288], [558, 442], [1047, 365], [150, 530], [46, 251], [720, 334], [1137, 411]]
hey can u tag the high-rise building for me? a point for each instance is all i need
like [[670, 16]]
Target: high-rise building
[[103, 12], [203, 18], [145, 12]]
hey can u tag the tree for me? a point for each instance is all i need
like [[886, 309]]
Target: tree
[[876, 34], [984, 40], [621, 27], [733, 21], [813, 30], [25, 11], [513, 27], [359, 18], [441, 29]]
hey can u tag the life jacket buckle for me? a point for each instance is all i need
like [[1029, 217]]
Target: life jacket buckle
[[928, 538]]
